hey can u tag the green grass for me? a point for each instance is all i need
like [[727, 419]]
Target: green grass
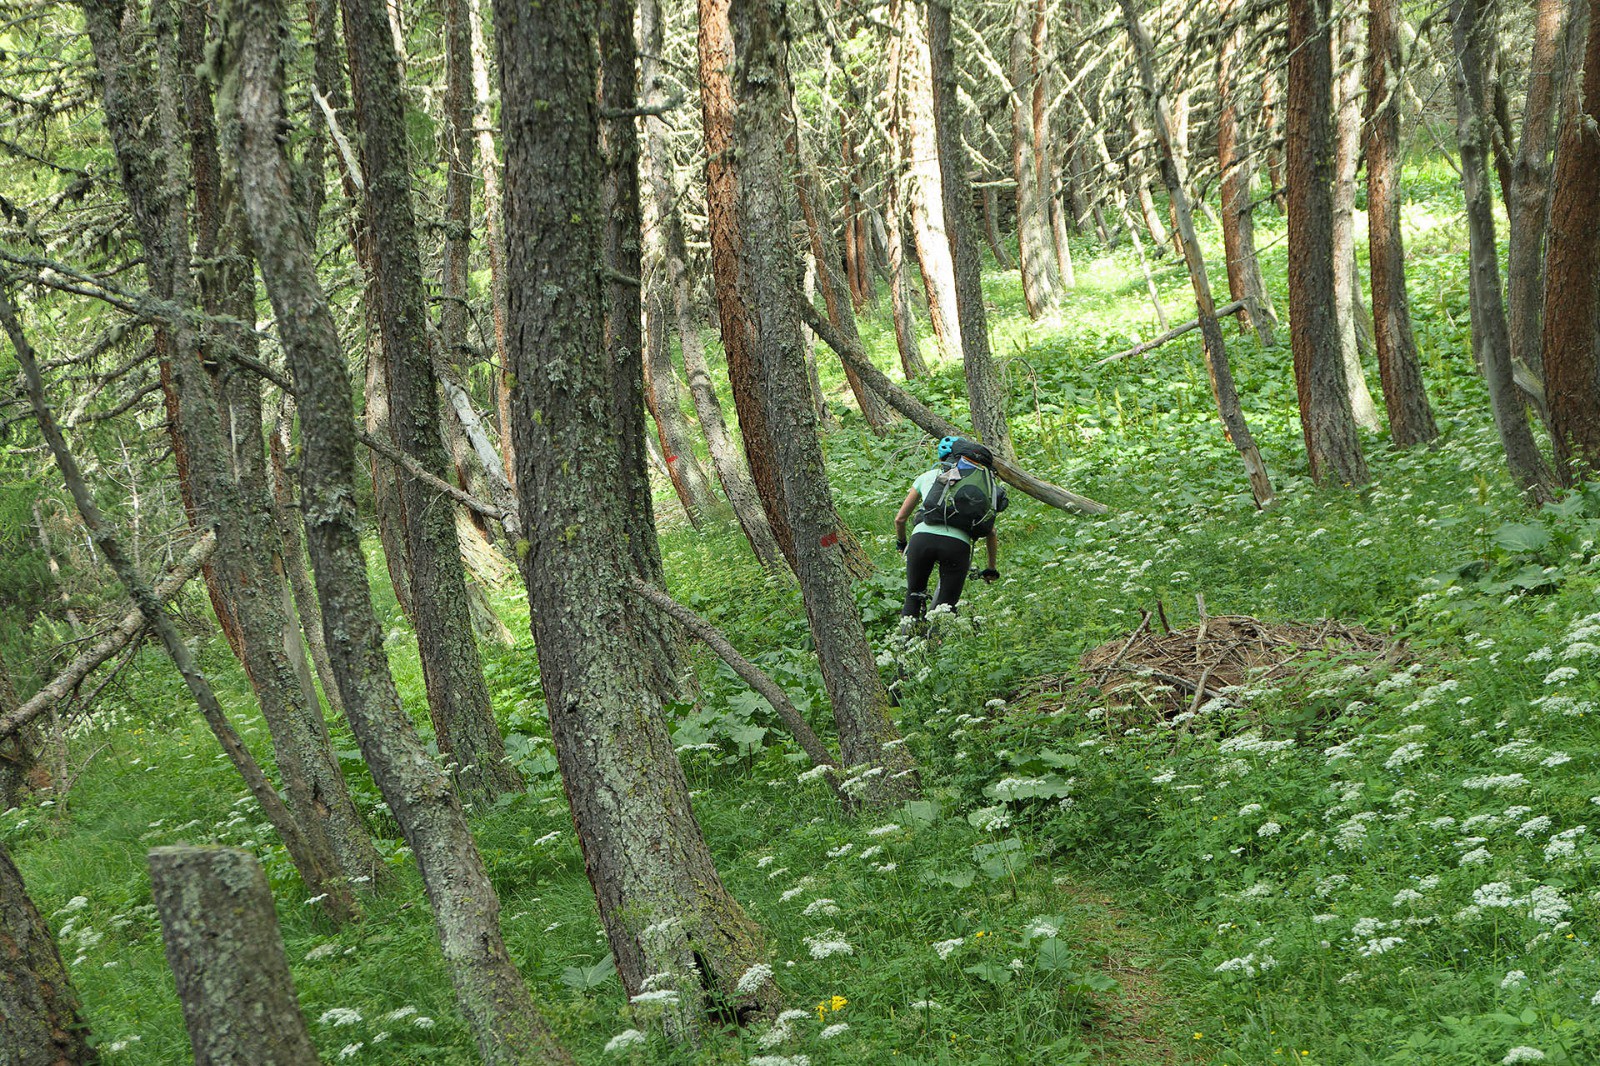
[[1147, 848]]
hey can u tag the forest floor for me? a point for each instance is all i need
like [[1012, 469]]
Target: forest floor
[[1366, 862]]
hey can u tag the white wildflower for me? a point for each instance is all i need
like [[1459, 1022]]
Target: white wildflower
[[321, 951], [399, 1014], [944, 947], [828, 944], [665, 996], [1560, 674], [350, 1051], [823, 906], [1514, 979], [1495, 781], [625, 1039], [1403, 754], [422, 1021], [1546, 906], [753, 978], [1555, 759], [1269, 829], [834, 1030], [883, 830], [339, 1016], [1522, 1053], [1378, 947], [1493, 894]]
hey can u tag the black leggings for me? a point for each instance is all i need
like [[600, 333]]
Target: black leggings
[[953, 557]]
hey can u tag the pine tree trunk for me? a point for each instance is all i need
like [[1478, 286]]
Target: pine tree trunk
[[1332, 446], [894, 210], [715, 48], [1236, 168], [924, 183], [40, 1023], [1041, 278], [221, 934], [841, 312], [1572, 278], [286, 512], [240, 578], [314, 863], [458, 699], [489, 991], [1490, 336], [1346, 280], [1404, 395], [1528, 198], [986, 390], [667, 224], [664, 398], [664, 909], [769, 282], [1216, 352]]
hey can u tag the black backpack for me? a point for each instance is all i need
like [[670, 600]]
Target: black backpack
[[965, 495]]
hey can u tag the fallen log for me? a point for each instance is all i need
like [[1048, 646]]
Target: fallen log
[[60, 686], [1172, 334], [935, 424], [748, 672]]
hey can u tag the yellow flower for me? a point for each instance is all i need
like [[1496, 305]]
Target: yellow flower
[[1199, 1036], [837, 1003]]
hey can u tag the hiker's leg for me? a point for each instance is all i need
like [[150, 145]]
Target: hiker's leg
[[921, 554], [954, 560]]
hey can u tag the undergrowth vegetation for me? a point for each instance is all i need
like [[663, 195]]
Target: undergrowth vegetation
[[1368, 863]]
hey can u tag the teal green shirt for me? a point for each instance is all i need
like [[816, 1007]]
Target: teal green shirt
[[923, 483]]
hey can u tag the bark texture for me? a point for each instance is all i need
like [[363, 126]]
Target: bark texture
[[1216, 352], [1332, 445], [715, 48], [986, 388], [1572, 287], [769, 279], [221, 934], [924, 179], [1041, 275], [1346, 277], [666, 224], [1236, 164], [489, 990], [458, 698], [1404, 395], [40, 1023], [1471, 36], [663, 906]]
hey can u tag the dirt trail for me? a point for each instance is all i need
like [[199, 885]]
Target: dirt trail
[[1139, 1027]]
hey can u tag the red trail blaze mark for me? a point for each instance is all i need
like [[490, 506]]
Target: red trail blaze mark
[[672, 458], [830, 540]]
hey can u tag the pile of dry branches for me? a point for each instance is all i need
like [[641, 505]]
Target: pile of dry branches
[[1177, 670]]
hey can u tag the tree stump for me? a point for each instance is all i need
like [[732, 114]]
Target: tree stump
[[222, 940], [39, 1021]]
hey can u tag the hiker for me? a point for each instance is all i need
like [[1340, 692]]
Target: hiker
[[960, 499]]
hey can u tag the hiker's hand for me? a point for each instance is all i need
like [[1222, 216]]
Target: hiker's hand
[[900, 544], [990, 575]]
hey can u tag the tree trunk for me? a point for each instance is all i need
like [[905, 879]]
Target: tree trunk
[[924, 184], [1236, 168], [769, 281], [1528, 198], [313, 862], [1346, 278], [153, 160], [991, 227], [493, 240], [1572, 279], [663, 906], [221, 934], [1216, 352], [1041, 277], [1332, 446], [665, 400], [666, 224], [1275, 138], [1490, 336], [40, 1023], [841, 312], [986, 388], [715, 48], [490, 992], [895, 197], [1404, 395], [458, 699]]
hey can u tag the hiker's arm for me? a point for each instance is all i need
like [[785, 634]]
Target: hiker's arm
[[912, 499]]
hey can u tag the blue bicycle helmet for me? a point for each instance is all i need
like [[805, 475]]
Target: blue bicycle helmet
[[948, 445]]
